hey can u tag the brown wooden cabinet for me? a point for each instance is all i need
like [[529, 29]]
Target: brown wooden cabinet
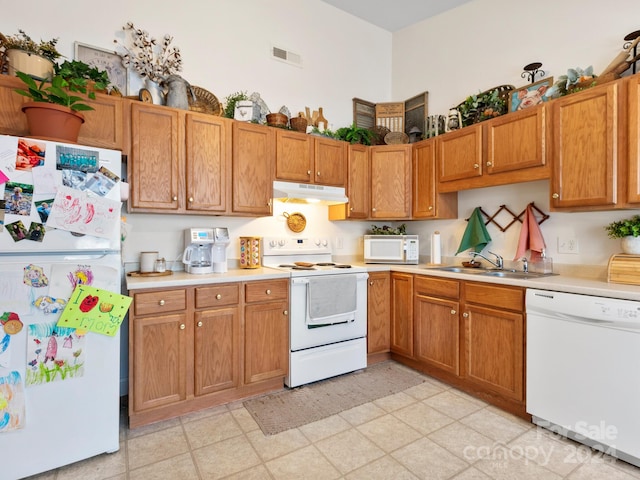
[[633, 136], [192, 348], [103, 126], [428, 202], [585, 149], [378, 314], [390, 182], [494, 339], [358, 186], [437, 323], [402, 314], [180, 162], [254, 154], [266, 330], [310, 159], [508, 149]]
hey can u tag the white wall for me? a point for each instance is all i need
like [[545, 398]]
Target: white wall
[[225, 46]]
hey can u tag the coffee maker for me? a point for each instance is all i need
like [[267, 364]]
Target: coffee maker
[[205, 250]]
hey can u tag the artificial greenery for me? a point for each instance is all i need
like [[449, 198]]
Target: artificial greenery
[[387, 230], [480, 107], [354, 134], [22, 41], [568, 83], [323, 133], [57, 92], [230, 103], [78, 75], [624, 228]]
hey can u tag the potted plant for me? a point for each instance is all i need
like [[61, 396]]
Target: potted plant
[[54, 110], [82, 77], [231, 100], [628, 230], [354, 134], [26, 55]]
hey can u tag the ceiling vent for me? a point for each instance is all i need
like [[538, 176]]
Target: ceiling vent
[[283, 55]]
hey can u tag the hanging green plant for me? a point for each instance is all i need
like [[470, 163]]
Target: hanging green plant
[[354, 134]]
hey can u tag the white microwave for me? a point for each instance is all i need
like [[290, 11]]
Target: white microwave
[[399, 249]]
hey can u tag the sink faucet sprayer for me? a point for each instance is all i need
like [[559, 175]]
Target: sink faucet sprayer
[[499, 263]]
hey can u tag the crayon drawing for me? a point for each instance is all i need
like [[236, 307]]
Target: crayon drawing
[[11, 402], [53, 354]]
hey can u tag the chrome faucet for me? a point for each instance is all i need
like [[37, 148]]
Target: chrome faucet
[[499, 263], [525, 264]]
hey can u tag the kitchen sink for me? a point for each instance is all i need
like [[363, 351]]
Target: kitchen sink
[[493, 272], [459, 269]]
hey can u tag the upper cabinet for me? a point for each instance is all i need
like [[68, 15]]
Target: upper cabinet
[[180, 161], [103, 126], [428, 202], [358, 186], [391, 182], [633, 135], [310, 159], [508, 149], [585, 149]]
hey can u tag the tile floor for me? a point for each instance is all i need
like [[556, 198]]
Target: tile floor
[[430, 431]]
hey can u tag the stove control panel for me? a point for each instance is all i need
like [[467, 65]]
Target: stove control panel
[[297, 245]]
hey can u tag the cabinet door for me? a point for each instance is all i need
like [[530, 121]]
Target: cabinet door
[[516, 141], [391, 181], [254, 153], [402, 314], [437, 333], [358, 185], [330, 162], [155, 167], [103, 126], [12, 120], [378, 319], [585, 148], [159, 357], [207, 161], [460, 154], [266, 343], [216, 350], [294, 156], [424, 179], [633, 186], [494, 350]]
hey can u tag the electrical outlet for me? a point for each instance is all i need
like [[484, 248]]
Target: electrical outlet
[[339, 243], [567, 244]]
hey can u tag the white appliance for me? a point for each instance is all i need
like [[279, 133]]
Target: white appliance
[[76, 418], [205, 250], [395, 249], [308, 193], [327, 309], [583, 354]]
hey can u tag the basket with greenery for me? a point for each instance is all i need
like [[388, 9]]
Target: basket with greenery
[[22, 41]]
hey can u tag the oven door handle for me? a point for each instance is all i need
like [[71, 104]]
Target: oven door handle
[[300, 281]]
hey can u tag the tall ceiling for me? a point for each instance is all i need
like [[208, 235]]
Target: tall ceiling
[[394, 15]]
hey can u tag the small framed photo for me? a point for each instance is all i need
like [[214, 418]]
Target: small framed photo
[[529, 96], [106, 60]]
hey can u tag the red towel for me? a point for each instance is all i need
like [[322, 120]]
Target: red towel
[[530, 236]]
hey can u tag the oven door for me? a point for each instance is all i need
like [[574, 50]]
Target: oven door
[[327, 309]]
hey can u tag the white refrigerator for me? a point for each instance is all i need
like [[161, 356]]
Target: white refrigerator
[[61, 227]]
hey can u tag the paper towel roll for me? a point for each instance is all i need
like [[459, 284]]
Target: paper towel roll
[[436, 250]]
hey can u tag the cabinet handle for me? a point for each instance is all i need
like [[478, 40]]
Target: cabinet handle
[[175, 198], [182, 326], [318, 174], [161, 302], [430, 207], [199, 324], [351, 209], [268, 292], [218, 297], [190, 199], [373, 209], [371, 282], [555, 195], [476, 166], [489, 164], [308, 172], [465, 315], [453, 312], [286, 312]]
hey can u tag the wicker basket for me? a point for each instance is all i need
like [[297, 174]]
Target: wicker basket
[[204, 102], [503, 94]]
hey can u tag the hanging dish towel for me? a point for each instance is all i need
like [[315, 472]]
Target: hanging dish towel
[[530, 236], [476, 235], [331, 299]]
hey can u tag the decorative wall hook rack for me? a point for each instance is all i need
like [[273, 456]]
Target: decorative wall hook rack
[[516, 217]]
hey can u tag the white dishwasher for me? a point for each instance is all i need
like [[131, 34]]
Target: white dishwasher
[[583, 369]]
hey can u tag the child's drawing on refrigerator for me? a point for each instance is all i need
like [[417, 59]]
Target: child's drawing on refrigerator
[[11, 402]]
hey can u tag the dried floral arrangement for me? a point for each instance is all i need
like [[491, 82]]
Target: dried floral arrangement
[[22, 41], [148, 58]]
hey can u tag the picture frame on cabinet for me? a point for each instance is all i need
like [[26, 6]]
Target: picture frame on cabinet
[[530, 95], [107, 60]]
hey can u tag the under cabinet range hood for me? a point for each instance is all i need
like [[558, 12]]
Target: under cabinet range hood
[[308, 193]]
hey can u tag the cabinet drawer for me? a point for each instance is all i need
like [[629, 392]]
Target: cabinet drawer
[[218, 295], [160, 302], [266, 291], [511, 298], [437, 287]]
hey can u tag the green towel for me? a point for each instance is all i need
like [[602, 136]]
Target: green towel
[[476, 235]]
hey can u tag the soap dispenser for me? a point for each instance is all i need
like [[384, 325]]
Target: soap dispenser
[[544, 264]]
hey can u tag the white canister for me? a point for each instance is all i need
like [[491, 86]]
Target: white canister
[[148, 261]]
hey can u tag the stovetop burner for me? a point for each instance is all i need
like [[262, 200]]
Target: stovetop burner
[[325, 264], [300, 267], [342, 266]]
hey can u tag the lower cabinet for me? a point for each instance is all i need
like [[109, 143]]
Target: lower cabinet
[[378, 316], [468, 334], [189, 346]]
